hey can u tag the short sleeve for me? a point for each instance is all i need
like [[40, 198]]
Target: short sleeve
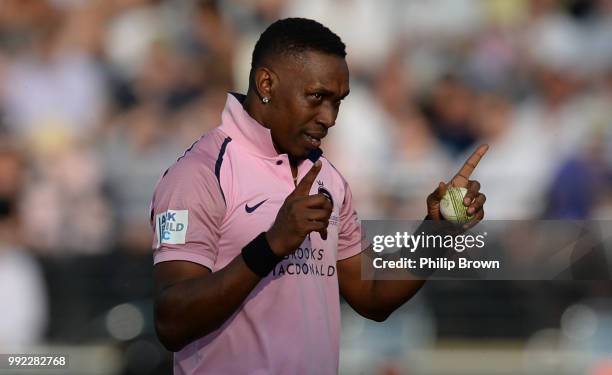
[[349, 236], [186, 214]]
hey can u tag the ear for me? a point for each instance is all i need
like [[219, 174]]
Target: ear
[[265, 82]]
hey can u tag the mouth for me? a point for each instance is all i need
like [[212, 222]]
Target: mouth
[[313, 140]]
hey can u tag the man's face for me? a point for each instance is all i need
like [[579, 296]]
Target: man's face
[[305, 101]]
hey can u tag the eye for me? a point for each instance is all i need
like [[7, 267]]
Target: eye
[[317, 96]]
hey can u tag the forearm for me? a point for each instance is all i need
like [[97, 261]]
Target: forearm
[[193, 308], [388, 288], [388, 295], [372, 293], [385, 292]]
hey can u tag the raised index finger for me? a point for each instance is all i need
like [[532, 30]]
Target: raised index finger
[[303, 188], [462, 177]]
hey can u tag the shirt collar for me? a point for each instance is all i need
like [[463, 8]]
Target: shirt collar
[[241, 127]]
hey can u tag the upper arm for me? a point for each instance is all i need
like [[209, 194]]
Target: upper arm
[[353, 288], [169, 298], [349, 232], [166, 274], [186, 215]]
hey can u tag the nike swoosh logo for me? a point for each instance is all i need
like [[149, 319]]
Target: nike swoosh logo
[[251, 209]]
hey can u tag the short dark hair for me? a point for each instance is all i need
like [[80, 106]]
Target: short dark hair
[[293, 36]]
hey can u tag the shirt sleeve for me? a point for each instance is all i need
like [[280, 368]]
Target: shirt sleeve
[[349, 236], [186, 214]]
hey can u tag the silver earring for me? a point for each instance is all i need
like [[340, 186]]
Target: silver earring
[[265, 100]]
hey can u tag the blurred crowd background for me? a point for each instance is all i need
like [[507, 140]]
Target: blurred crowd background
[[99, 97]]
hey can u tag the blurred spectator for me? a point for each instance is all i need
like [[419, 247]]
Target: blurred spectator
[[135, 154], [65, 210], [581, 184], [518, 171], [417, 160], [361, 133], [449, 111], [441, 19], [22, 287], [48, 66], [367, 47], [551, 37], [130, 34], [215, 35]]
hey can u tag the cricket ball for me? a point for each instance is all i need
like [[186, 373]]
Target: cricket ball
[[452, 207]]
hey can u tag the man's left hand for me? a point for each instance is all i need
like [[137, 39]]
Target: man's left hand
[[474, 200]]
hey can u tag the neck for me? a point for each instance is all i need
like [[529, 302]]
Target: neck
[[254, 108]]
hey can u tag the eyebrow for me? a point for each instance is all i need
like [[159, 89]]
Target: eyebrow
[[331, 93]]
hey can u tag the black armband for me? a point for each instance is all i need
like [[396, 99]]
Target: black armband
[[259, 257]]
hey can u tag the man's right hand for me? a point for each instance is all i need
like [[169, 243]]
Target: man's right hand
[[299, 215]]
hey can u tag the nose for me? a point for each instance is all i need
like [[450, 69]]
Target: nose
[[327, 116]]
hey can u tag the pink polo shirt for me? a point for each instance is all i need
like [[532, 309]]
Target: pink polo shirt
[[224, 191]]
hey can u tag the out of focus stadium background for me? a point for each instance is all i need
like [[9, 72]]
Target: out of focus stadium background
[[99, 97]]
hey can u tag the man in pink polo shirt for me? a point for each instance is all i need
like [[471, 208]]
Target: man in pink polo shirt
[[255, 231]]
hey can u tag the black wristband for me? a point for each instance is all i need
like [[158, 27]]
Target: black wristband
[[259, 257], [429, 226]]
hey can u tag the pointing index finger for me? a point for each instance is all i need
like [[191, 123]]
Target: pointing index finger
[[303, 188], [462, 177]]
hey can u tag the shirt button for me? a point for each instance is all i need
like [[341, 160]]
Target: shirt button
[[279, 162]]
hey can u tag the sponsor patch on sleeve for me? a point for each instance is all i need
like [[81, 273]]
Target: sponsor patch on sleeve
[[171, 227]]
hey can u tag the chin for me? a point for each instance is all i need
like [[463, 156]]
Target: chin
[[299, 155]]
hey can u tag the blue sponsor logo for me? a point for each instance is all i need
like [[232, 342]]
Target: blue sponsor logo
[[169, 225]]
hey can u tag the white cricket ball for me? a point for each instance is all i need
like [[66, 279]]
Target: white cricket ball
[[452, 208]]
